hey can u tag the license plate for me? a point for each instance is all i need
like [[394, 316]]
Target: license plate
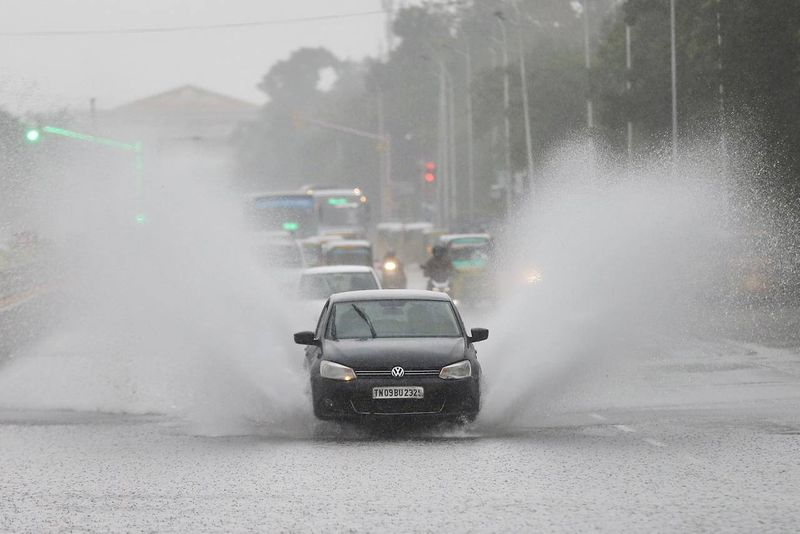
[[398, 392]]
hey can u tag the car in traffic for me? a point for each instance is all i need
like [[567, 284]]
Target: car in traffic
[[392, 353], [319, 283], [347, 252]]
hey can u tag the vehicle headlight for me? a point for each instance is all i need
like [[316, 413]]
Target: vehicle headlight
[[457, 370], [390, 266], [335, 371], [533, 276]]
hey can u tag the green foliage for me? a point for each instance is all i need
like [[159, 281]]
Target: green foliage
[[756, 63], [760, 70]]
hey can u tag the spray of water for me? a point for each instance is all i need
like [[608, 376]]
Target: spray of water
[[175, 316], [630, 261], [179, 316]]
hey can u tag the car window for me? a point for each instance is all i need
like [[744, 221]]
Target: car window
[[321, 321], [393, 318]]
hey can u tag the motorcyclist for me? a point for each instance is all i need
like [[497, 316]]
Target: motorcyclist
[[392, 271], [439, 267]]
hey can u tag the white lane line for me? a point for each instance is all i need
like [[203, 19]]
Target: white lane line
[[624, 428], [597, 416], [18, 299], [654, 442]]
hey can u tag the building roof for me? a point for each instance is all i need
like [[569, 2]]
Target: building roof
[[188, 98]]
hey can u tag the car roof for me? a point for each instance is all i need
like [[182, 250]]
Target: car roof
[[330, 269], [389, 294], [451, 237], [264, 194], [347, 243]]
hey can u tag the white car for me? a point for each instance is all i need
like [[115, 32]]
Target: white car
[[319, 283]]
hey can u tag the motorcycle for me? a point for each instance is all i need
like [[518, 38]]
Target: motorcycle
[[393, 275], [441, 286]]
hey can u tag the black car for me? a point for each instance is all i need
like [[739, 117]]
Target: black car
[[393, 353]]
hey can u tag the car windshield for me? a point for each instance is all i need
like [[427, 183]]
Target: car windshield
[[393, 318], [349, 256], [320, 286]]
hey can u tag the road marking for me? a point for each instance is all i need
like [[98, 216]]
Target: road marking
[[624, 428], [12, 301], [598, 416], [653, 442]]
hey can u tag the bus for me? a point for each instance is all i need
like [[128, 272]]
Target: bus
[[341, 211], [292, 212]]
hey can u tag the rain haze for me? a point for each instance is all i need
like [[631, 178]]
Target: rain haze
[[492, 266], [52, 71]]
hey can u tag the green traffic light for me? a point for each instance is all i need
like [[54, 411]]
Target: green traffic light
[[141, 218], [33, 135], [291, 226]]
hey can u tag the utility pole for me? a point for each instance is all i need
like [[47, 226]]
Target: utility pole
[[384, 164], [587, 52], [470, 129], [452, 212], [443, 149], [628, 67], [723, 141], [673, 64], [506, 111], [388, 7], [525, 105]]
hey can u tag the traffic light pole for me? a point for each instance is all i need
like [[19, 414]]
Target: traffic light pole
[[384, 147], [33, 135]]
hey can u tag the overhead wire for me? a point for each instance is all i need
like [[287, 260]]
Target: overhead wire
[[172, 29]]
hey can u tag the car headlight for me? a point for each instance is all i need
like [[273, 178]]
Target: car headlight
[[335, 371], [533, 276], [390, 266], [457, 370]]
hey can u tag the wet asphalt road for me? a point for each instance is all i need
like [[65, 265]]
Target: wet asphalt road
[[712, 445], [704, 439]]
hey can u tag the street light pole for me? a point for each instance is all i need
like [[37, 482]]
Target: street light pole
[[470, 129], [628, 66], [506, 111], [525, 106], [383, 145], [588, 61], [673, 64], [723, 141], [452, 211], [443, 149]]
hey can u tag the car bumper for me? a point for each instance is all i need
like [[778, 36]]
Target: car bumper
[[444, 399]]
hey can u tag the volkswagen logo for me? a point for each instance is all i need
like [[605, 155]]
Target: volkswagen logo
[[398, 372]]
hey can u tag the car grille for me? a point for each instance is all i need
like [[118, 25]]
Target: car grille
[[397, 407], [388, 373]]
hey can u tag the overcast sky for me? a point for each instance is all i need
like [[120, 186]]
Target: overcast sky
[[39, 73]]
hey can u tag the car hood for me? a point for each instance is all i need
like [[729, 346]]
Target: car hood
[[383, 354]]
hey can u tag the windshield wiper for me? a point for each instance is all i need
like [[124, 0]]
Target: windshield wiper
[[364, 316]]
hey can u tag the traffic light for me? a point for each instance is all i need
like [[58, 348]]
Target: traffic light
[[430, 172], [33, 135]]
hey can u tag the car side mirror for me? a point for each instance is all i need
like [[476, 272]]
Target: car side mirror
[[478, 334], [305, 338]]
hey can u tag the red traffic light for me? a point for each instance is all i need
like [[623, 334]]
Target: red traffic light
[[430, 172]]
